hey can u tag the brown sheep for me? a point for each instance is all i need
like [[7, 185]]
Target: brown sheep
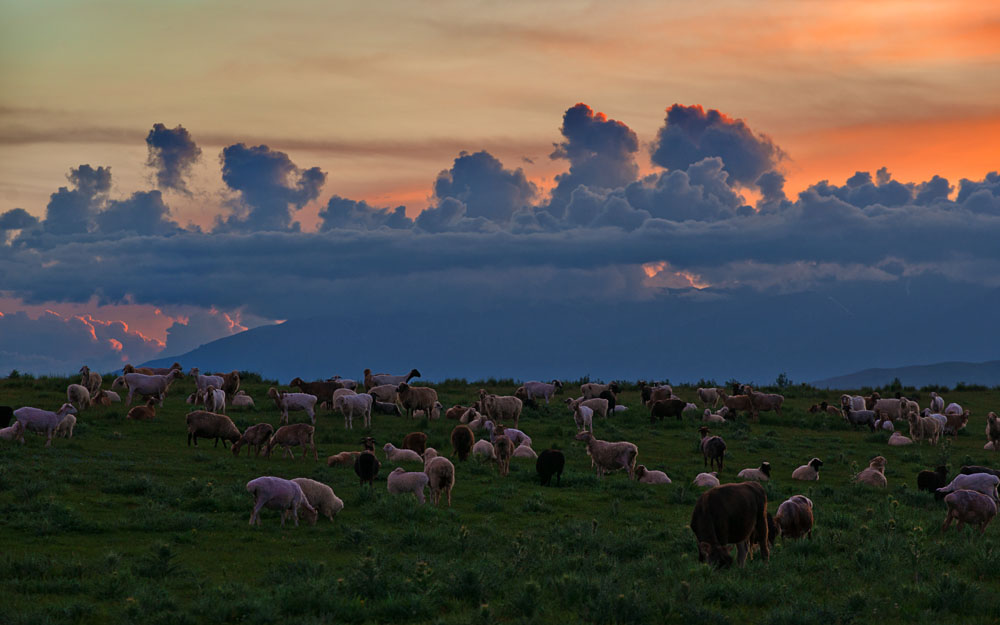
[[289, 436], [993, 430], [957, 421], [713, 448], [794, 518], [455, 412], [416, 398], [230, 383], [736, 403], [255, 436], [211, 425], [503, 448], [143, 413], [462, 440], [322, 389], [874, 475], [417, 441], [666, 408], [924, 428], [343, 459]]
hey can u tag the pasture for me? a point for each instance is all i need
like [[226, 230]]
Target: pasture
[[125, 523]]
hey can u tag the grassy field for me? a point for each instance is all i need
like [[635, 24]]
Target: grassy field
[[126, 523]]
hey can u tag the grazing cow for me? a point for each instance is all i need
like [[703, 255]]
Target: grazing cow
[[730, 514]]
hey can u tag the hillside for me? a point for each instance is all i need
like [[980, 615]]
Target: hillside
[[942, 373]]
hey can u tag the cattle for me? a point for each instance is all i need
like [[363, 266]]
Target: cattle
[[731, 514]]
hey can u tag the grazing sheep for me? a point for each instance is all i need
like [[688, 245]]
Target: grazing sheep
[[242, 400], [593, 390], [291, 402], [355, 404], [65, 427], [342, 459], [969, 506], [735, 403], [278, 494], [583, 417], [210, 425], [709, 395], [255, 436], [215, 399], [984, 483], [321, 497], [379, 379], [502, 408], [524, 451], [932, 480], [730, 514], [504, 449], [898, 440], [993, 430], [706, 480], [78, 395], [666, 408], [150, 384], [763, 402], [13, 432], [484, 448], [394, 454], [41, 421], [924, 428], [384, 392], [708, 417], [610, 456], [650, 476], [808, 472], [713, 448], [860, 417], [794, 518], [599, 405], [462, 440], [541, 389], [383, 407], [143, 413], [762, 474], [874, 475], [455, 412], [402, 481], [937, 403], [288, 436], [366, 467], [550, 462], [417, 441], [440, 477], [416, 398]]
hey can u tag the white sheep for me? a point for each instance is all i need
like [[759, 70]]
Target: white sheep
[[78, 395], [397, 455], [808, 472], [953, 409], [242, 400], [65, 427], [937, 403], [321, 497], [583, 417], [151, 384], [483, 448], [609, 456], [620, 408], [14, 433], [541, 389], [599, 405], [759, 474], [204, 381], [708, 417], [293, 402], [215, 399], [42, 421], [650, 476], [384, 392], [524, 451], [402, 481], [709, 396], [709, 480], [350, 405], [852, 402], [898, 440], [278, 494], [980, 482], [501, 408], [593, 389]]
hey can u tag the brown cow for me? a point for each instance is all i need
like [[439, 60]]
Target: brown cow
[[731, 514]]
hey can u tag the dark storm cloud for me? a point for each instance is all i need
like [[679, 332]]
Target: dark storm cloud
[[270, 187], [172, 152], [690, 134]]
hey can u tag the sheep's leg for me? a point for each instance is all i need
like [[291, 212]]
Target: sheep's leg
[[255, 516], [128, 400], [947, 520], [742, 548], [48, 441]]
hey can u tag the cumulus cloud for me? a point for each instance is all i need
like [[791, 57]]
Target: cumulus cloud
[[58, 344], [270, 186], [15, 219], [143, 213], [71, 210], [172, 153], [341, 212], [699, 193], [486, 189], [691, 134], [601, 154]]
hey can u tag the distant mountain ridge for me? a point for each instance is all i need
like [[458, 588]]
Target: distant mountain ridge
[[942, 373]]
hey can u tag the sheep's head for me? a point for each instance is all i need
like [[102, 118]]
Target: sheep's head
[[403, 387], [128, 369], [878, 463], [816, 463], [614, 387], [640, 470], [273, 393], [765, 468], [296, 382], [583, 436], [369, 443], [558, 385], [84, 370], [414, 373], [703, 430]]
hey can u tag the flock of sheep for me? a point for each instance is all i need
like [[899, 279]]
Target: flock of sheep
[[724, 515]]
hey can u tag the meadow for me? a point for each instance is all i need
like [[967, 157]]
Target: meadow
[[125, 523]]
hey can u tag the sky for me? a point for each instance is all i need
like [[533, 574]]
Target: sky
[[175, 173]]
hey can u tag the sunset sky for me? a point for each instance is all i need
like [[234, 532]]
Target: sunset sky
[[372, 102]]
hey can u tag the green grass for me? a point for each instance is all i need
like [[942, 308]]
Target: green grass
[[126, 523]]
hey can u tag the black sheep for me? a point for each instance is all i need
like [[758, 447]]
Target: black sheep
[[932, 480], [667, 408], [366, 466], [6, 414], [612, 400], [550, 462]]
